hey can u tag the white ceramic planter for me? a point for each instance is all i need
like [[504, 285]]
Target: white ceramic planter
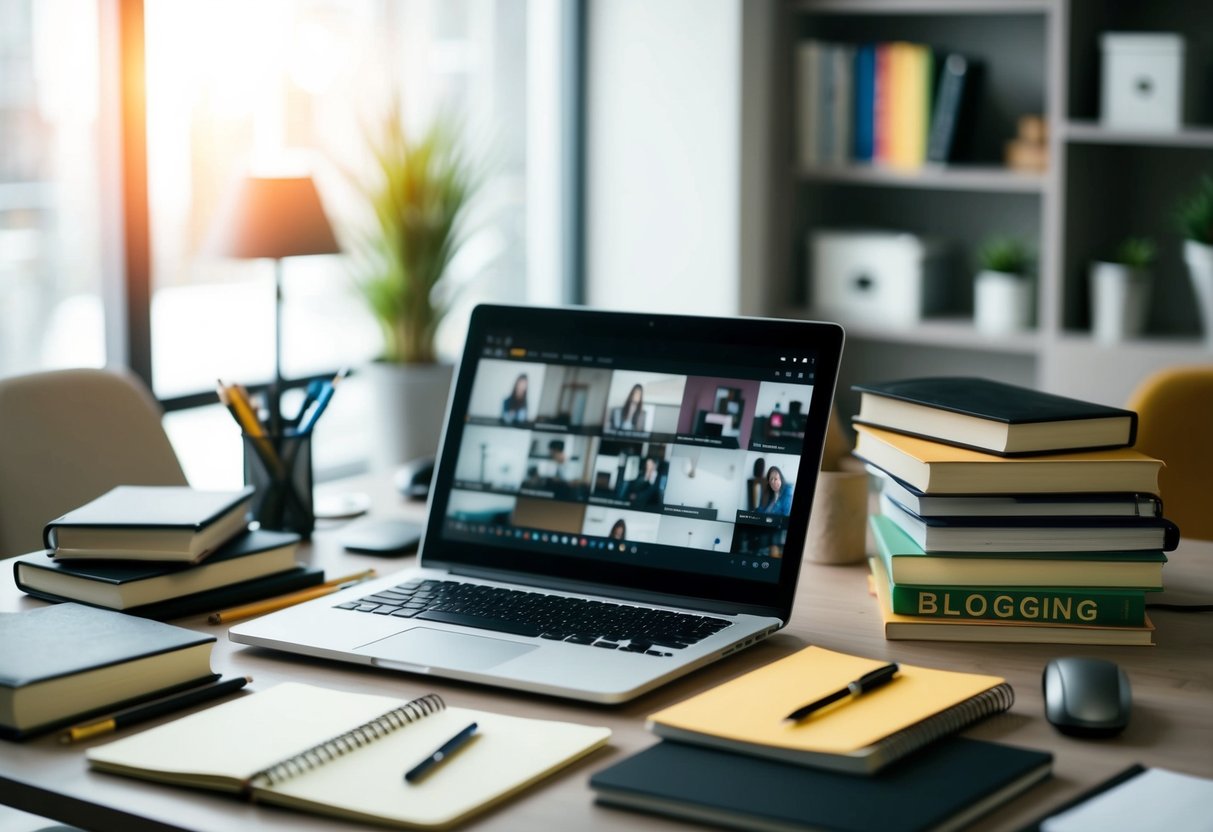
[[1002, 302], [409, 403], [1199, 258], [1119, 302]]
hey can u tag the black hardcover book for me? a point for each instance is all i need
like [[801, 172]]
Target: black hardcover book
[[994, 417], [952, 118], [301, 577], [65, 662], [947, 785], [126, 584]]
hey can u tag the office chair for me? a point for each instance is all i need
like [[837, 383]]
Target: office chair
[[67, 436], [1175, 424]]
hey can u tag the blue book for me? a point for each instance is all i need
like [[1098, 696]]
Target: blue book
[[865, 102]]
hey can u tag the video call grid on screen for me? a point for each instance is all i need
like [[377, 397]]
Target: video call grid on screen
[[647, 462]]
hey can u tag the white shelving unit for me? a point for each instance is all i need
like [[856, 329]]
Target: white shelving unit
[[1102, 185]]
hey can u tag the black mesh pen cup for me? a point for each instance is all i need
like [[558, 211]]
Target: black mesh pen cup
[[280, 469]]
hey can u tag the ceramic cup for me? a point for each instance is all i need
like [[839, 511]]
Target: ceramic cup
[[838, 525]]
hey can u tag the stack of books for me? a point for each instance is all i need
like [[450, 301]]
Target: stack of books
[[162, 552], [1007, 514], [896, 104], [885, 759]]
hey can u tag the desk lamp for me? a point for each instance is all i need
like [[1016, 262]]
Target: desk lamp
[[274, 217]]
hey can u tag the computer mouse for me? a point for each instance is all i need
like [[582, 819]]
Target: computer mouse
[[413, 478], [1086, 697]]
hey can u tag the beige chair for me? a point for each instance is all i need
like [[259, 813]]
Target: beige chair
[[67, 436], [1175, 424]]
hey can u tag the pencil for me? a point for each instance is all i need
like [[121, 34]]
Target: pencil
[[154, 708], [290, 599]]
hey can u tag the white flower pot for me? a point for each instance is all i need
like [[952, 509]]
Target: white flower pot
[[409, 402], [1002, 302], [1119, 298], [1199, 258]]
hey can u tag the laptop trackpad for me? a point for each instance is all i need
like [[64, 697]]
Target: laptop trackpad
[[440, 648]]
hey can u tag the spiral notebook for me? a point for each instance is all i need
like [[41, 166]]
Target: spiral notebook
[[858, 735], [345, 754]]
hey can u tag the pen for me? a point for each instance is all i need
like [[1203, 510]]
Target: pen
[[290, 599], [865, 683], [154, 708], [444, 751], [322, 401]]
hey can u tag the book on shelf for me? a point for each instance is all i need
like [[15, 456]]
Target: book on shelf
[[150, 522], [953, 108], [1016, 505], [69, 662], [1031, 534], [344, 754], [825, 102], [991, 416], [946, 786], [936, 468], [909, 104], [866, 734], [863, 146], [923, 628], [124, 585], [908, 563]]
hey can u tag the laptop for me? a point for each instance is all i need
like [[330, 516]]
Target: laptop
[[619, 499]]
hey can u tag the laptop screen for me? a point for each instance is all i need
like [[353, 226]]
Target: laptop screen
[[616, 449]]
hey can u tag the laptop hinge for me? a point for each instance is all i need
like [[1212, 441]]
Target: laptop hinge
[[619, 593]]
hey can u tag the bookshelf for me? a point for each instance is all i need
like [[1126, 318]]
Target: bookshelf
[[1101, 185]]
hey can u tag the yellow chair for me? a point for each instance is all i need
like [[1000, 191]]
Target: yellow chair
[[67, 436], [1175, 424]]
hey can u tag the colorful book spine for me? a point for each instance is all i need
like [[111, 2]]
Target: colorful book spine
[[864, 106], [1100, 607], [882, 104], [910, 105]]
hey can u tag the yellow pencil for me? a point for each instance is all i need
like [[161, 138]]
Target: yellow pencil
[[290, 599]]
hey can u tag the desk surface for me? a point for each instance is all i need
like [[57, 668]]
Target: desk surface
[[1172, 723]]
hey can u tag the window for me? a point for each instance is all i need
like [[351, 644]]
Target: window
[[51, 234]]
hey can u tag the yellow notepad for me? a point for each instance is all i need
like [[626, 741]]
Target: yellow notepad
[[859, 734], [257, 745]]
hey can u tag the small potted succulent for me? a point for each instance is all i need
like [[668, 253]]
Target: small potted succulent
[[1120, 291], [1002, 291], [1196, 222]]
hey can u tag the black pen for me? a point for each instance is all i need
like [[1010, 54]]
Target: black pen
[[156, 707], [446, 750], [866, 682]]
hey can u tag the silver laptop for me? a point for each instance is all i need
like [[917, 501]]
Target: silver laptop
[[619, 499]]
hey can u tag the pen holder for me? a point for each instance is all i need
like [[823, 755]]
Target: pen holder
[[280, 469]]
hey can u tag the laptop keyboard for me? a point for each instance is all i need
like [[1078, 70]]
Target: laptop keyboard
[[602, 624]]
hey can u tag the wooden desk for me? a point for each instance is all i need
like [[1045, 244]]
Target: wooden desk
[[1172, 723]]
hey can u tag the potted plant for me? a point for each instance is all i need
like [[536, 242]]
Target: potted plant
[[418, 192], [1120, 291], [1002, 292], [1196, 221]]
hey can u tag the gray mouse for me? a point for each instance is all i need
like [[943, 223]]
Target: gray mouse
[[1086, 697]]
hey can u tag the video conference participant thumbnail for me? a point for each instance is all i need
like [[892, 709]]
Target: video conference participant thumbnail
[[780, 417], [492, 458], [548, 515], [644, 403], [705, 482], [558, 465], [713, 536], [506, 392], [770, 486], [621, 525], [573, 399], [476, 508], [759, 541], [630, 473], [718, 411]]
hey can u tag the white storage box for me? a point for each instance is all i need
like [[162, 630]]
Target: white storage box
[[883, 278], [1142, 81]]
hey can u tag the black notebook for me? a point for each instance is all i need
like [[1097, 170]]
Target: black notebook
[[991, 416], [944, 787]]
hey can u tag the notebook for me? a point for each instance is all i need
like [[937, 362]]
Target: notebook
[[858, 736], [945, 788], [1153, 799], [619, 499], [345, 754]]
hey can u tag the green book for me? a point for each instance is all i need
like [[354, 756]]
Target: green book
[[908, 564], [1053, 605]]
